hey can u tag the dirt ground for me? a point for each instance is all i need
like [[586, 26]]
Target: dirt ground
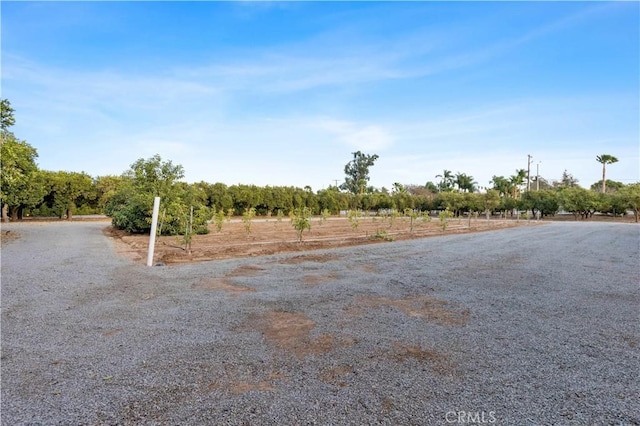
[[271, 236]]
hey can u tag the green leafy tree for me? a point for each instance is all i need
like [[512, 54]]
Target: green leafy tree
[[326, 214], [444, 217], [354, 217], [578, 201], [301, 220], [630, 198], [357, 172], [68, 190], [605, 159], [566, 181], [412, 215], [610, 186], [20, 185], [402, 200], [333, 200], [218, 219], [431, 187], [452, 201], [543, 203], [472, 202], [131, 206], [6, 115], [106, 187], [218, 196], [30, 194], [247, 217], [490, 201]]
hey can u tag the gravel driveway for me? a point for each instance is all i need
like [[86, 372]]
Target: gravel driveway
[[532, 325]]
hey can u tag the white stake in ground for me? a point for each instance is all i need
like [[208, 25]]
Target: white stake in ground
[[154, 225]]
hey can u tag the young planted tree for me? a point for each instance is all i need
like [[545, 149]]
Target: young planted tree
[[444, 217], [218, 219], [354, 218], [247, 217], [301, 220], [325, 214], [605, 159], [412, 215]]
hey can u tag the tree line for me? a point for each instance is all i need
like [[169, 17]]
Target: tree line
[[128, 198]]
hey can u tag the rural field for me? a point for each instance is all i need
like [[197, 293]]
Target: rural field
[[523, 324], [261, 236]]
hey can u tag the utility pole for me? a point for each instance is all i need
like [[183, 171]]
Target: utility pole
[[538, 176], [529, 157], [336, 181]]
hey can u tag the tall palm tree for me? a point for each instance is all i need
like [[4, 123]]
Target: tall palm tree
[[465, 183], [502, 185], [446, 181], [605, 159], [517, 181]]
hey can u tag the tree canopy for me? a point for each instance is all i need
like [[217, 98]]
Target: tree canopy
[[357, 172], [19, 184], [6, 115]]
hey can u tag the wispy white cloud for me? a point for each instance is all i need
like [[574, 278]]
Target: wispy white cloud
[[360, 136]]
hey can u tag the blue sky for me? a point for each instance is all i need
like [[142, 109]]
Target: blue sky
[[272, 93]]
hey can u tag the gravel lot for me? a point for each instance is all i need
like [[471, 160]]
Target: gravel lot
[[531, 325]]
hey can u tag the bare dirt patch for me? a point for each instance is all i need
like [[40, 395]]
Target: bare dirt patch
[[223, 284], [438, 361], [246, 271], [111, 332], [244, 387], [316, 279], [7, 237], [226, 284], [337, 376], [318, 258], [291, 332], [267, 383], [272, 237], [368, 268], [423, 307]]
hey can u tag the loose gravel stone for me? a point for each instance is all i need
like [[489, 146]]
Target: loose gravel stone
[[529, 325]]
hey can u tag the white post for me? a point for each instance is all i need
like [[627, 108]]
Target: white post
[[154, 225]]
